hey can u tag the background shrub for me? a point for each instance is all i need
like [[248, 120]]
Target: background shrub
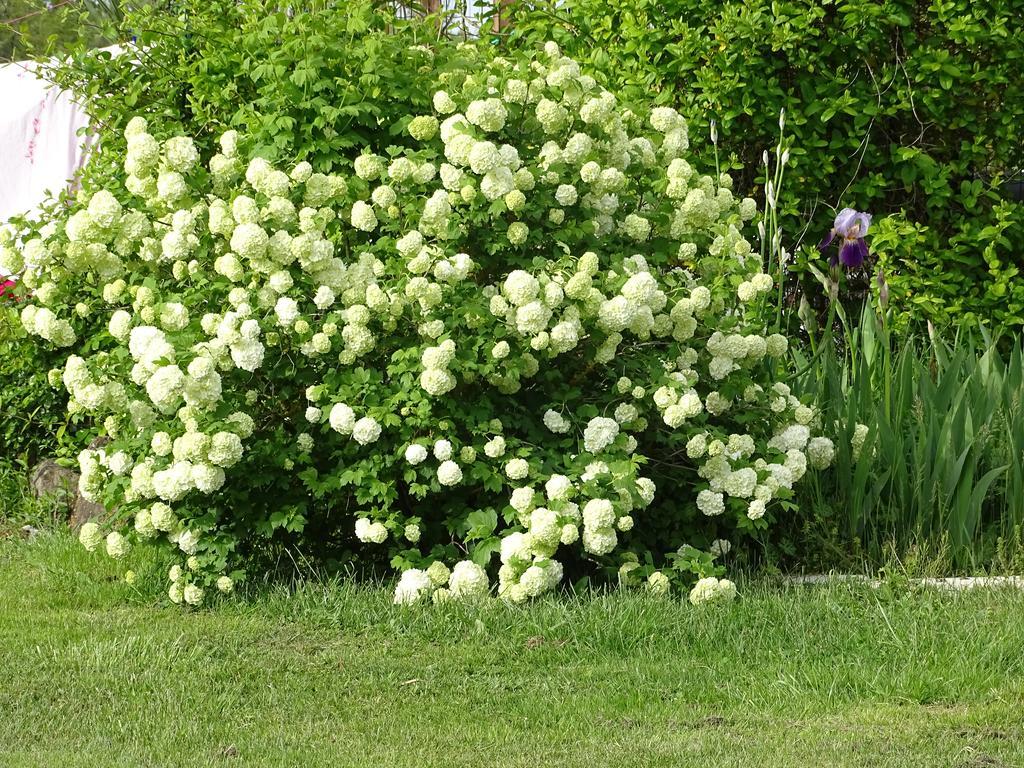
[[32, 29], [313, 85], [904, 108]]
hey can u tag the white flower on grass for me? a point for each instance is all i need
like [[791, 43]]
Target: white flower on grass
[[516, 547], [144, 524], [711, 590], [90, 537], [538, 579], [226, 585], [412, 587], [438, 573], [192, 594], [468, 580], [658, 583], [117, 545]]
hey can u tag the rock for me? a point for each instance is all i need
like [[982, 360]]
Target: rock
[[60, 484], [50, 480], [83, 510], [98, 442]]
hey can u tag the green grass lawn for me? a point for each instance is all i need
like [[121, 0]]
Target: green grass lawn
[[94, 672]]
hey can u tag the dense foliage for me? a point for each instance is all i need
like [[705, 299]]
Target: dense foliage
[[29, 29], [903, 108], [313, 85], [535, 331], [32, 413]]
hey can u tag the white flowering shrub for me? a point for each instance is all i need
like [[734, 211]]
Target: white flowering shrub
[[531, 347]]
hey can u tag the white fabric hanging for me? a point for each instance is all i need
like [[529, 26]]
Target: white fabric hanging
[[40, 147]]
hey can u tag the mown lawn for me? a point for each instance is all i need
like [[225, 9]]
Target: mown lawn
[[96, 673]]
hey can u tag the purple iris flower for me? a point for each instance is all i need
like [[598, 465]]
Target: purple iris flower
[[851, 226]]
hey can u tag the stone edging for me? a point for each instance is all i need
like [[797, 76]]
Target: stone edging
[[952, 582]]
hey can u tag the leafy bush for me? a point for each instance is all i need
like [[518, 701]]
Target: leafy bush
[[906, 109], [28, 30], [32, 413], [313, 85], [535, 330]]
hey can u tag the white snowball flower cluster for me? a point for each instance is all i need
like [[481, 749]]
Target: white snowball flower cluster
[[600, 433], [449, 473], [372, 532], [436, 379]]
